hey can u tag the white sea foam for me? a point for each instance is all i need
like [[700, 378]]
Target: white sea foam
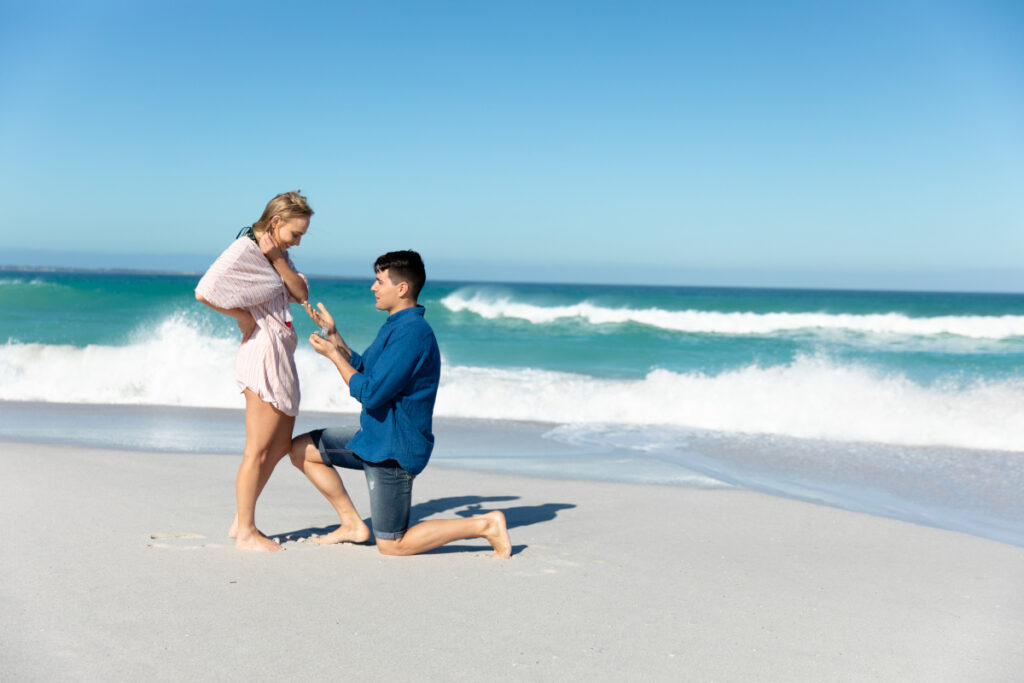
[[35, 282], [176, 363], [810, 398], [492, 306]]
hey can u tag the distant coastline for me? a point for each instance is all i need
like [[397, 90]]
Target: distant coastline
[[111, 271], [135, 271], [164, 272]]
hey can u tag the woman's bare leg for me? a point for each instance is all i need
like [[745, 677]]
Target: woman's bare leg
[[279, 450], [267, 434]]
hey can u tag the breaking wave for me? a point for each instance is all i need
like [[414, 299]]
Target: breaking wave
[[178, 363], [491, 305]]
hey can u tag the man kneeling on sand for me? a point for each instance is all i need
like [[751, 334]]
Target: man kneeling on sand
[[395, 380]]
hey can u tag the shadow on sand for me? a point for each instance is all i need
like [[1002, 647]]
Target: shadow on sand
[[463, 506]]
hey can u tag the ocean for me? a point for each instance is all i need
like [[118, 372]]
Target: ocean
[[901, 404]]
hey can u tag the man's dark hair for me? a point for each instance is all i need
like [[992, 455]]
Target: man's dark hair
[[403, 266]]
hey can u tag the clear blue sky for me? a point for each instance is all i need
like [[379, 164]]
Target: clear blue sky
[[752, 143]]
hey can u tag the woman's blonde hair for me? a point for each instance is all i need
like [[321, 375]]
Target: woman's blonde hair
[[286, 205]]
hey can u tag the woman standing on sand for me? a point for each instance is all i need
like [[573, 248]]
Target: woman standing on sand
[[253, 281]]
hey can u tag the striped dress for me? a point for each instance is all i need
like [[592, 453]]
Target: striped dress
[[242, 277]]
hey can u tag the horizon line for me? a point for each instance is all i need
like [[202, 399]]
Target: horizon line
[[197, 273]]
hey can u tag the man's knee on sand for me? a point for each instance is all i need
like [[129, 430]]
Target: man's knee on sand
[[300, 451], [390, 546]]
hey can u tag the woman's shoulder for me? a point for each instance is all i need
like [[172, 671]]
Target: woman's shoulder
[[242, 246], [244, 242], [241, 253]]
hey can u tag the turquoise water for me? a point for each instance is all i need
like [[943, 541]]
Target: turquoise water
[[711, 358], [878, 401], [80, 309]]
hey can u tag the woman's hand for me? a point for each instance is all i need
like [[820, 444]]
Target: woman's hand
[[246, 323], [268, 245], [321, 317]]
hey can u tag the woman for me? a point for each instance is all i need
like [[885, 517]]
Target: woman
[[253, 281]]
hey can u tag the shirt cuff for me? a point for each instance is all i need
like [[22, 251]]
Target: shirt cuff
[[355, 385]]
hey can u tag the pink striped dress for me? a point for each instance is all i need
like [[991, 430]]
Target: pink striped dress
[[242, 277]]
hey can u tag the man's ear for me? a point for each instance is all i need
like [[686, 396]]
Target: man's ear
[[403, 289]]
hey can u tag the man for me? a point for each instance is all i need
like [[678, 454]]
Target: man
[[395, 380]]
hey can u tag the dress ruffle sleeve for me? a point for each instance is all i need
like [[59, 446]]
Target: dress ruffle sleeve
[[241, 277]]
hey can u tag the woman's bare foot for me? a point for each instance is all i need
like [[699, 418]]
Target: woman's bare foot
[[496, 534], [345, 534], [257, 541]]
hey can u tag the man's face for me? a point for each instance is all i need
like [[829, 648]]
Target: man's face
[[386, 292]]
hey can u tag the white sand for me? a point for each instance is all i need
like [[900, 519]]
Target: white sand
[[608, 582]]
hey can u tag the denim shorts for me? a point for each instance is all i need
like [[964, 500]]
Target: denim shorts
[[390, 486]]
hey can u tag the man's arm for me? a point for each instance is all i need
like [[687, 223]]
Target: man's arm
[[335, 350], [392, 370], [333, 347], [390, 374]]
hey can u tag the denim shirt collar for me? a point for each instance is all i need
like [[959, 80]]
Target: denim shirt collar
[[411, 311]]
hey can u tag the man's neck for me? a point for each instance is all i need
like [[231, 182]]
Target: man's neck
[[401, 307]]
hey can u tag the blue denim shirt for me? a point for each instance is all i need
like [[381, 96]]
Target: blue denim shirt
[[396, 382]]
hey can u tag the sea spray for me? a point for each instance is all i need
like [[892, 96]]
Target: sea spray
[[814, 396]]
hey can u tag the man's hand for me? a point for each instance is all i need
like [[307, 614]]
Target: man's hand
[[339, 356], [324, 347], [330, 345], [321, 317]]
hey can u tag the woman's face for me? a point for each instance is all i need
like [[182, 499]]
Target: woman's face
[[288, 232]]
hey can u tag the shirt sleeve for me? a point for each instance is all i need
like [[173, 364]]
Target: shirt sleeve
[[356, 361], [402, 355], [241, 277]]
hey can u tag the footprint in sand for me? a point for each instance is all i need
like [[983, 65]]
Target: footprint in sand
[[177, 546], [185, 535]]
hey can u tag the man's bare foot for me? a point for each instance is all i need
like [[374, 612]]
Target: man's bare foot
[[496, 534], [345, 534], [257, 541], [233, 531]]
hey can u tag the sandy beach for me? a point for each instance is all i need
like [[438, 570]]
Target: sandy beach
[[117, 567]]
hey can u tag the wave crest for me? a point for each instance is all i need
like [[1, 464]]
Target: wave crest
[[493, 306]]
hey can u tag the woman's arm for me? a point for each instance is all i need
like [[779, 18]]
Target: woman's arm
[[295, 285], [246, 323]]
